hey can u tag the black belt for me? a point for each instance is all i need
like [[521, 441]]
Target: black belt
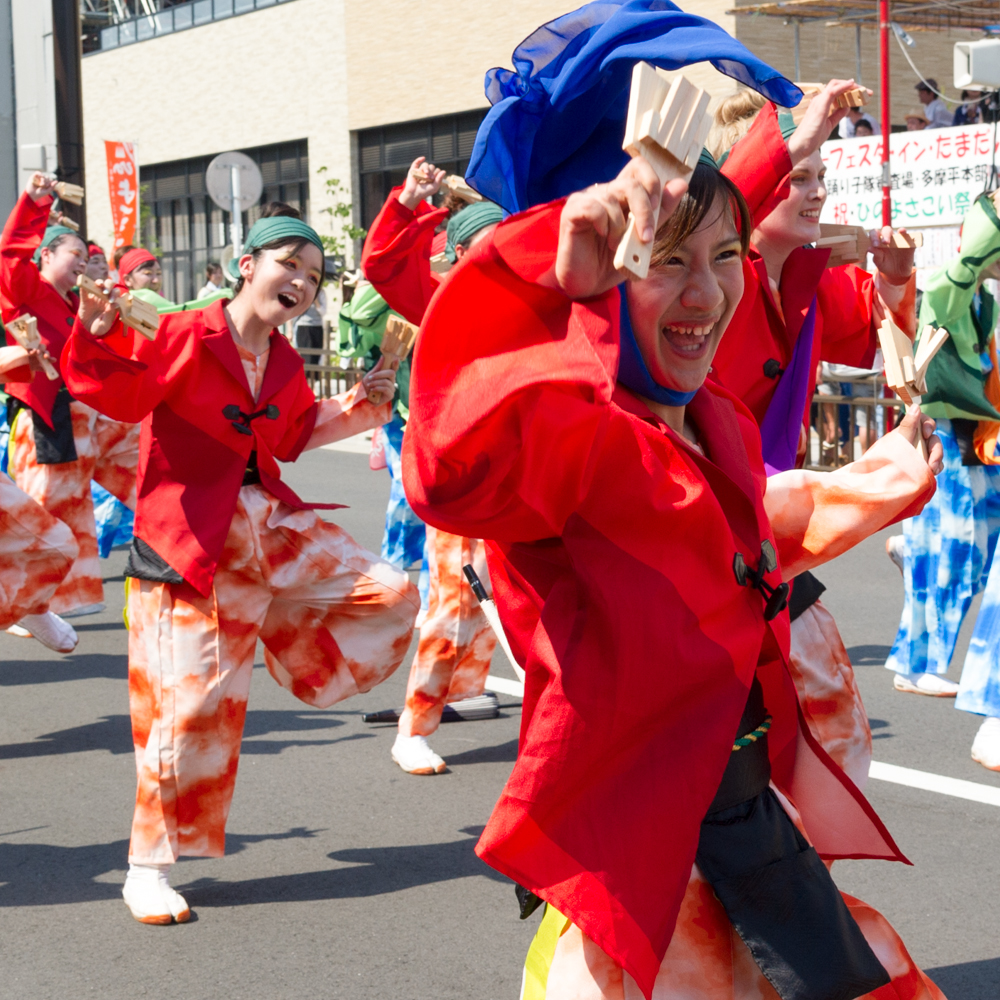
[[251, 474], [775, 889], [53, 445]]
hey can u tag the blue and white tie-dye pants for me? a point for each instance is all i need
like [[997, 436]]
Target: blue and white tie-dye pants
[[404, 543], [948, 552]]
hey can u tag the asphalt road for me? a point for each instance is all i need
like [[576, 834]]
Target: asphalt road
[[346, 878]]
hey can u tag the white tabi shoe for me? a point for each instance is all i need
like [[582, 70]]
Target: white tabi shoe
[[986, 745], [414, 756], [148, 895], [49, 629], [86, 609], [933, 685], [894, 550]]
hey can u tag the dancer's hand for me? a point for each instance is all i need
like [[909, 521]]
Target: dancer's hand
[[819, 120], [36, 356], [41, 186], [895, 264], [915, 422], [95, 314], [381, 380], [422, 180], [593, 223]]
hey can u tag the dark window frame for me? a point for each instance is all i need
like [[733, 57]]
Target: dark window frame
[[183, 228]]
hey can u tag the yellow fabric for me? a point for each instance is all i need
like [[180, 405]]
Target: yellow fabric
[[988, 431], [541, 952]]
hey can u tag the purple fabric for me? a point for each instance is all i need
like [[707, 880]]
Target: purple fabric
[[779, 430]]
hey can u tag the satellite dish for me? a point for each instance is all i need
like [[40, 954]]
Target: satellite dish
[[219, 179]]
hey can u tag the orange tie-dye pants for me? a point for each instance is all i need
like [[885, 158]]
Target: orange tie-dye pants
[[334, 619], [107, 451], [828, 692], [36, 553], [456, 641]]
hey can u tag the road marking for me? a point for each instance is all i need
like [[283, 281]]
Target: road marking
[[504, 686], [956, 787]]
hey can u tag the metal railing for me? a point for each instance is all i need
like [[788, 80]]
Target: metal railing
[[156, 22], [843, 427]]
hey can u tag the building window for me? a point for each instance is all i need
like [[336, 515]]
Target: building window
[[384, 154], [186, 229], [109, 24]]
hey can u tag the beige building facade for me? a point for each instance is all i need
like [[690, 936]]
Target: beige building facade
[[345, 89]]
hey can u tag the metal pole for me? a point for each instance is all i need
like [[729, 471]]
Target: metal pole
[[237, 211], [883, 17], [798, 69], [857, 52]]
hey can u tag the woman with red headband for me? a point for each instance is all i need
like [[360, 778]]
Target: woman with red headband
[[57, 443], [224, 552]]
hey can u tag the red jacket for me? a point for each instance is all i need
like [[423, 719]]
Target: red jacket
[[191, 457], [846, 316], [24, 290], [611, 544], [397, 255]]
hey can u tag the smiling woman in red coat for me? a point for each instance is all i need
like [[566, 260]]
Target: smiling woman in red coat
[[567, 420], [224, 552]]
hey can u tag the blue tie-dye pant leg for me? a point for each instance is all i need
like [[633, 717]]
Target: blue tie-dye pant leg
[[403, 541], [948, 551], [979, 689], [113, 519]]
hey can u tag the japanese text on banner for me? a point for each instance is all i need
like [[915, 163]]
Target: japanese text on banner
[[123, 186], [936, 176]]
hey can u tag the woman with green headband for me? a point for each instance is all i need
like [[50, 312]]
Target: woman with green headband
[[224, 551], [59, 444]]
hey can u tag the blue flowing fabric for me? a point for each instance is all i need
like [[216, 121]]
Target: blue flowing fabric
[[632, 370], [780, 428], [558, 118]]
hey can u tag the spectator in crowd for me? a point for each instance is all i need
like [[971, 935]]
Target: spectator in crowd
[[854, 118], [863, 128], [97, 263], [969, 114], [938, 115], [214, 282], [916, 121], [309, 327]]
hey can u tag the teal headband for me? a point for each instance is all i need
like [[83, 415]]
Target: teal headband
[[465, 224], [707, 160], [278, 227], [787, 124], [52, 233]]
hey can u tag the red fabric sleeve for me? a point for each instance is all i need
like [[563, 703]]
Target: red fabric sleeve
[[22, 236], [512, 401], [300, 425], [759, 165], [845, 303], [119, 387], [397, 254]]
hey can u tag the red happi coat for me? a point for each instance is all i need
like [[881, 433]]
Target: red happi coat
[[397, 255], [846, 325], [191, 457], [611, 545], [24, 290]]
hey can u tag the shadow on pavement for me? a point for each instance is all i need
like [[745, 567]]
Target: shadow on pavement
[[869, 656], [113, 733], [374, 871], [503, 753], [968, 980], [14, 673], [47, 874]]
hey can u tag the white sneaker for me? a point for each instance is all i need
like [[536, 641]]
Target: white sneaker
[[148, 895], [86, 609], [414, 756], [930, 684], [986, 745], [894, 550], [49, 629]]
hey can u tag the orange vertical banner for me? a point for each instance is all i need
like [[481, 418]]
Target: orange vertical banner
[[123, 186]]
